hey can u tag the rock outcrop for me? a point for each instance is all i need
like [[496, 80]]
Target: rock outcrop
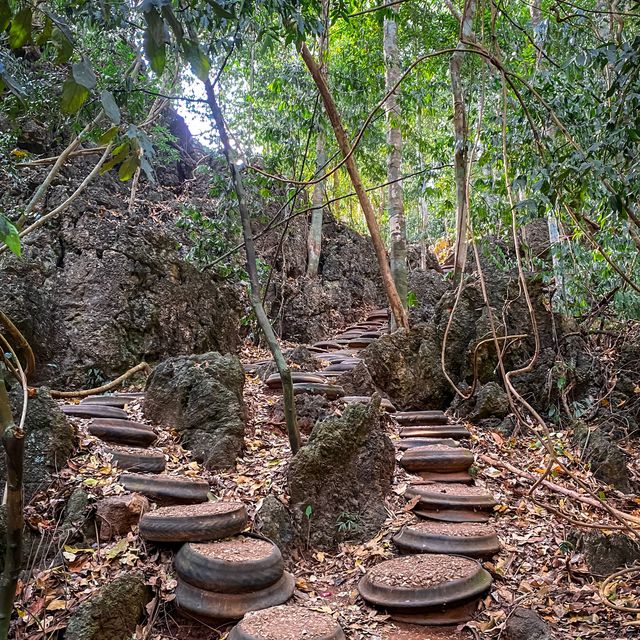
[[201, 397], [339, 480]]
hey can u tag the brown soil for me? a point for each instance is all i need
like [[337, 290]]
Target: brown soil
[[437, 447], [239, 549], [421, 571], [449, 489], [202, 509], [288, 623], [138, 451], [460, 529]]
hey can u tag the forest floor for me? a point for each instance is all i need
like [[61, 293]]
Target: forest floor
[[538, 567]]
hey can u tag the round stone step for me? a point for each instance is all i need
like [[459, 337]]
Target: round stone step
[[167, 489], [123, 432], [371, 334], [140, 460], [107, 401], [378, 314], [438, 458], [93, 411], [360, 343], [235, 565], [326, 345], [387, 405], [408, 443], [341, 367], [473, 539], [331, 391], [211, 605], [425, 588], [430, 417], [287, 622], [194, 523], [274, 381], [451, 502], [455, 431]]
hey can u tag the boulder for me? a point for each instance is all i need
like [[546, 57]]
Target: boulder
[[116, 515], [525, 624], [273, 520], [358, 381], [605, 554], [608, 461], [201, 397], [405, 365], [339, 480], [113, 613], [427, 288], [48, 442], [298, 358], [491, 402]]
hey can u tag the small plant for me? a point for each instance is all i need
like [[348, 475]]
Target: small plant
[[308, 512], [348, 523]]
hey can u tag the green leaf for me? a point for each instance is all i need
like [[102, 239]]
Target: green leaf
[[108, 135], [45, 34], [155, 40], [308, 511], [173, 22], [83, 74], [73, 96], [128, 168], [199, 62], [63, 45], [20, 30], [5, 14], [110, 107], [9, 235]]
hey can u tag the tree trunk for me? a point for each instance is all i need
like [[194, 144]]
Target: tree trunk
[[314, 240], [252, 271], [395, 204], [397, 308], [13, 441], [460, 157]]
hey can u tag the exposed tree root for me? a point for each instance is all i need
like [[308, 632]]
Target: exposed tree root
[[143, 366]]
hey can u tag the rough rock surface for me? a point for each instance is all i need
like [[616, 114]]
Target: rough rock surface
[[525, 624], [201, 397], [427, 287], [49, 440], [608, 461], [298, 359], [338, 481], [358, 381], [491, 402], [607, 553], [406, 366], [116, 515], [273, 521], [114, 613]]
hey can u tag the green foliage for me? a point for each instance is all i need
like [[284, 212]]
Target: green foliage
[[347, 523], [9, 235]]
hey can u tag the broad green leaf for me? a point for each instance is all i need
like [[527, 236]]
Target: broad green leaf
[[120, 153], [108, 135], [73, 96], [155, 40], [20, 29], [45, 35], [110, 107], [9, 235], [63, 45], [5, 14], [83, 74], [128, 168], [198, 60], [173, 22]]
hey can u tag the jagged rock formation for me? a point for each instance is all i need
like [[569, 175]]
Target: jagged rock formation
[[201, 397]]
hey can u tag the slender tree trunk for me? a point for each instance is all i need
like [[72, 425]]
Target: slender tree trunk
[[395, 203], [252, 271], [13, 442], [397, 308], [460, 156], [314, 240]]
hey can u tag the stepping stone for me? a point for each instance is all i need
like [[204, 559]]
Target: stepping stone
[[378, 314], [142, 460], [163, 488], [252, 367], [421, 418], [371, 334], [93, 411], [451, 502], [194, 523], [473, 539], [326, 345], [429, 589], [387, 405], [455, 431], [409, 443], [212, 605], [360, 343], [439, 462], [332, 391], [287, 621], [235, 565], [124, 432], [274, 381], [107, 401], [340, 367]]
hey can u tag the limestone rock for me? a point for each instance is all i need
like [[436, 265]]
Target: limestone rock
[[49, 440], [607, 553], [524, 624], [608, 461], [358, 381], [116, 515], [406, 366], [113, 613], [491, 402], [201, 397], [339, 480], [273, 521]]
